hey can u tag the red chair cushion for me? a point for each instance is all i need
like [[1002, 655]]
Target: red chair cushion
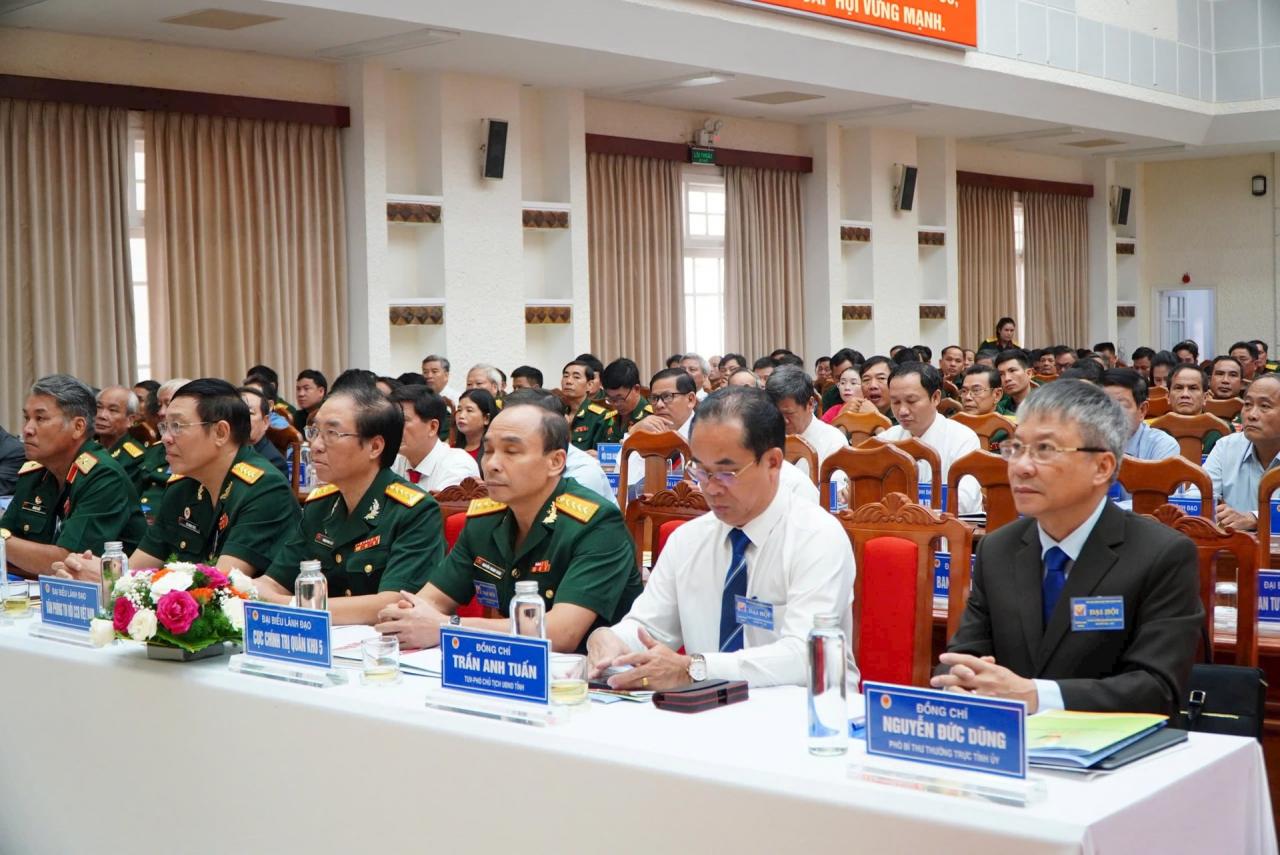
[[453, 525], [886, 637], [664, 531]]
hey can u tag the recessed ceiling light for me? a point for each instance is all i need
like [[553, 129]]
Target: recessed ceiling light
[[688, 81], [220, 19], [1098, 143], [1144, 152], [389, 44], [779, 97], [880, 111], [1018, 136]]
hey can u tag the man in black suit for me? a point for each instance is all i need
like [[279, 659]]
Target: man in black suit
[[12, 456], [1020, 636]]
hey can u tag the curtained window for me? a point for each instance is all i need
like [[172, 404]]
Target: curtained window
[[703, 264]]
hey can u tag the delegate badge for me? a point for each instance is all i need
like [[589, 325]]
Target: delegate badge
[[1097, 614]]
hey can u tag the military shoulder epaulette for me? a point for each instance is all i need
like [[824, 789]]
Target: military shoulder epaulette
[[174, 477], [597, 409], [483, 507], [648, 408], [85, 462], [405, 494], [30, 466], [321, 492], [577, 507], [247, 472], [132, 450]]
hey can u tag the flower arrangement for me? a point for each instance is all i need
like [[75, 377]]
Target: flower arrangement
[[188, 606]]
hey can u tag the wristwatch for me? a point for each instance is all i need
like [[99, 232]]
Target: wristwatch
[[454, 620], [5, 534], [697, 667]]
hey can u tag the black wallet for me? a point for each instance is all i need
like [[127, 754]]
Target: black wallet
[[702, 695]]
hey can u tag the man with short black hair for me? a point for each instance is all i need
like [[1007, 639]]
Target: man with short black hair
[[979, 393], [732, 362], [594, 392], [1107, 351], [1245, 353], [951, 363], [822, 370], [1264, 364], [265, 376], [1239, 460], [592, 421], [310, 388], [1014, 368], [1187, 351], [621, 382], [1141, 359], [153, 474], [1063, 358], [792, 393], [435, 370], [1127, 388], [432, 463], [70, 494], [875, 383], [373, 533], [259, 412], [1226, 378], [536, 525], [1188, 389], [526, 377], [763, 367], [116, 413], [1045, 362], [760, 544]]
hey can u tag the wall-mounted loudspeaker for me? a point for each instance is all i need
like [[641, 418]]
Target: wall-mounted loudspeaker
[[494, 148], [904, 187], [1120, 199]]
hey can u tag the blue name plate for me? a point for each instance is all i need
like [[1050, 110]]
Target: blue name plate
[[673, 479], [1190, 504], [1275, 516], [490, 663], [925, 494], [1097, 614], [942, 572], [834, 504], [749, 612], [487, 595], [1269, 596], [608, 453], [287, 634], [947, 729], [68, 604], [614, 480]]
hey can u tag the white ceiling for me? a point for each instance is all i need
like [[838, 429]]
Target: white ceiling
[[873, 64]]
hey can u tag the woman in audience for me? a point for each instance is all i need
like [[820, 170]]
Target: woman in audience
[[851, 400], [1162, 365], [476, 408]]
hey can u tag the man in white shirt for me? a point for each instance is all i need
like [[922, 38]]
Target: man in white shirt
[[739, 587], [435, 369], [673, 395], [792, 393], [698, 369], [432, 464], [915, 390]]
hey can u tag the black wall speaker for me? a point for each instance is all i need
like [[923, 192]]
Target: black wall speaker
[[494, 148], [904, 195], [1120, 199]]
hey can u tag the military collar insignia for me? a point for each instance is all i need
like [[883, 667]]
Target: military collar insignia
[[551, 516], [374, 509]]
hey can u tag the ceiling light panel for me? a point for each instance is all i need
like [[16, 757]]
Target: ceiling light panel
[[220, 19]]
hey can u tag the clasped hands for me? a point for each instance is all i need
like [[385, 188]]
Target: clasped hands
[[413, 620], [980, 675], [85, 567]]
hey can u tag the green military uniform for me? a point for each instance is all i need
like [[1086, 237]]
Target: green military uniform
[[391, 541], [245, 520], [831, 397], [151, 478], [1210, 440], [95, 504], [128, 452], [622, 424], [1006, 407], [592, 424], [578, 551]]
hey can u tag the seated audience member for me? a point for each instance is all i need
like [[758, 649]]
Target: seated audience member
[[1045, 363], [373, 533], [732, 362], [901, 353], [1245, 353], [146, 392], [117, 411], [486, 377], [1263, 364], [744, 377], [698, 369], [1063, 358], [875, 383], [822, 370], [264, 375], [763, 367], [986, 358], [792, 393], [476, 409], [526, 377], [621, 382], [153, 475], [309, 389], [1141, 361], [673, 397], [1161, 365], [1015, 638], [915, 390], [1238, 460], [592, 421], [673, 361], [536, 525], [970, 356], [1127, 388], [435, 370], [12, 456], [841, 361], [412, 378], [578, 465], [1106, 351], [433, 464], [594, 390], [1187, 351], [386, 385], [1085, 369], [224, 505], [1006, 329], [259, 412], [1014, 367], [849, 388], [924, 353], [70, 494], [758, 542], [979, 393], [788, 359], [1226, 378], [951, 363], [1188, 389]]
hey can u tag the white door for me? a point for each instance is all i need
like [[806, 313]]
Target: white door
[[1187, 314]]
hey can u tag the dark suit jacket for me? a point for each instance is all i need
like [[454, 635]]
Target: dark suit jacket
[[273, 455], [1143, 668], [12, 456]]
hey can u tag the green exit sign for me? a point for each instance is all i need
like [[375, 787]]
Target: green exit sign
[[701, 155]]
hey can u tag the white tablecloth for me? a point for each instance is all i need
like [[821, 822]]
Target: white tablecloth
[[106, 751]]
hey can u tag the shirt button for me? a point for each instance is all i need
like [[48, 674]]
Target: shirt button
[[182, 545], [549, 593], [368, 568], [26, 527], [515, 574], [337, 558], [348, 592]]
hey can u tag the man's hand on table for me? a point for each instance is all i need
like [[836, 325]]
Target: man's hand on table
[[1229, 517], [83, 567], [655, 668], [413, 620], [980, 675]]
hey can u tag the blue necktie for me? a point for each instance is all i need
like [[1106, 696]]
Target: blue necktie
[[735, 585], [1055, 577]]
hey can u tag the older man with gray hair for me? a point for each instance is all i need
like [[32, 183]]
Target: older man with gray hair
[[488, 378], [116, 413], [1080, 605], [71, 495], [699, 370]]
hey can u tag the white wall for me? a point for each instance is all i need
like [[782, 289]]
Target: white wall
[[626, 119], [1021, 164]]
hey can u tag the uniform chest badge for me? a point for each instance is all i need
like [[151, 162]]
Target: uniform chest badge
[[66, 507], [374, 510], [324, 540], [540, 567], [368, 543], [489, 567], [225, 493], [199, 497], [550, 517], [223, 522]]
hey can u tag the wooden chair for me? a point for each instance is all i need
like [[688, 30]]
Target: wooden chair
[[992, 473], [456, 499], [922, 454], [861, 426], [897, 517], [949, 391], [1154, 392], [1211, 542], [655, 449], [1190, 431], [647, 513], [1266, 488], [1157, 407], [285, 439], [985, 426], [1224, 408], [874, 470], [798, 449], [144, 432], [1151, 482], [949, 407]]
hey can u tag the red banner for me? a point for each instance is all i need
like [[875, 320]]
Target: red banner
[[954, 22]]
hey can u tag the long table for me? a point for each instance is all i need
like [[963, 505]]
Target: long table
[[107, 751]]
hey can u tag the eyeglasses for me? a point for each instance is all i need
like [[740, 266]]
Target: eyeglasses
[[973, 392], [1041, 452], [663, 398], [176, 428], [723, 479], [330, 435]]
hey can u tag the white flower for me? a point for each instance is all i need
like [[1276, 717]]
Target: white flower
[[130, 582], [233, 608], [101, 632], [172, 581], [181, 567], [143, 625], [241, 582]]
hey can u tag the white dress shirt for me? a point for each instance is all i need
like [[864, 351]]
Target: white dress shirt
[[825, 439], [445, 466], [635, 463], [799, 561], [586, 470], [798, 483], [951, 440]]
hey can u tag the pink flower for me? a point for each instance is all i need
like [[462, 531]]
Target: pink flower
[[122, 614], [176, 611], [217, 579]]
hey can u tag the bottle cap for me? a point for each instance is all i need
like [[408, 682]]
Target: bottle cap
[[530, 587], [113, 546], [309, 566], [826, 621]]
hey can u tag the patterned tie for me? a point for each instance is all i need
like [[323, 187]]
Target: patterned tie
[[1055, 577], [735, 585], [415, 476]]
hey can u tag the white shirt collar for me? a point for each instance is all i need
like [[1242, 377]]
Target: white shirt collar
[[428, 463], [1074, 542], [758, 528]]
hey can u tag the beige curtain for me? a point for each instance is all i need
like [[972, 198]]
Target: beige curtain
[[764, 260], [1057, 264], [634, 241], [66, 299], [246, 248], [988, 280]]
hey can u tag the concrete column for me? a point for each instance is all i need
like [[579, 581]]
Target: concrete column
[[365, 180], [824, 282], [1100, 172]]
